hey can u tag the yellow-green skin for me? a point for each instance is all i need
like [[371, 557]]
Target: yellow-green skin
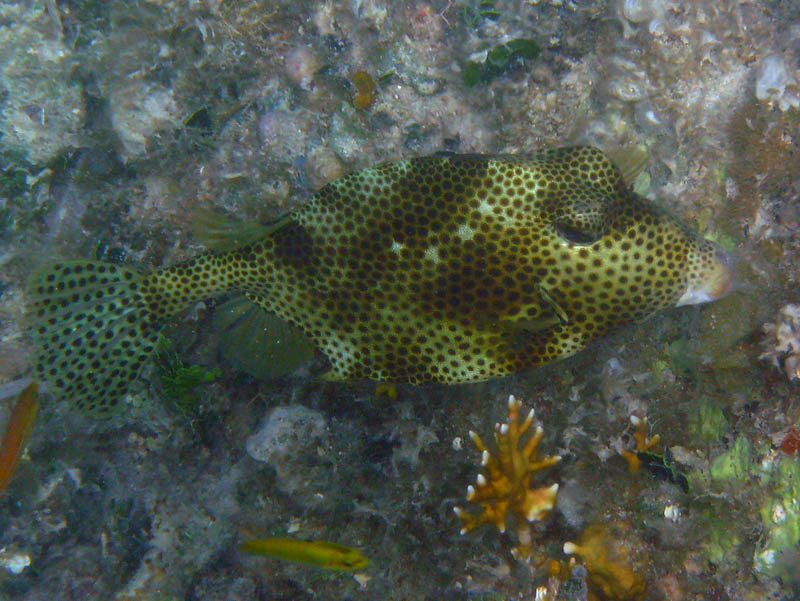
[[320, 553], [440, 269]]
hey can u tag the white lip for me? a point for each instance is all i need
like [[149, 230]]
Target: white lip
[[716, 282], [695, 296]]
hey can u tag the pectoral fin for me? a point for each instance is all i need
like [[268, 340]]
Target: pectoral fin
[[536, 317]]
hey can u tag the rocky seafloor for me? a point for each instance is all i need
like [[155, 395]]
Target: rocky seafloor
[[120, 120]]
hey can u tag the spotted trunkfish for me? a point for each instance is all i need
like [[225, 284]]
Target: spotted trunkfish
[[449, 268]]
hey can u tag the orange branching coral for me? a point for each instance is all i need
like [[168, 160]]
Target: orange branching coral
[[615, 559], [505, 488], [643, 443]]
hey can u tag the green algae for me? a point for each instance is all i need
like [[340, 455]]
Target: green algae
[[497, 60], [681, 356], [735, 465], [722, 541], [707, 420], [13, 182], [780, 518], [181, 381], [772, 482], [475, 14]]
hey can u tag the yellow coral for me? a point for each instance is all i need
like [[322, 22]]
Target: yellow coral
[[612, 560], [364, 89], [505, 488], [643, 443]]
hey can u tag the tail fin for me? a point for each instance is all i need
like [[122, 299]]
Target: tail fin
[[93, 331]]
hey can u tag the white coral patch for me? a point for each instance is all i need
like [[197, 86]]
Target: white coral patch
[[138, 112]]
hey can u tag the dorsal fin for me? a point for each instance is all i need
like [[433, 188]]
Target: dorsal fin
[[630, 160], [220, 232]]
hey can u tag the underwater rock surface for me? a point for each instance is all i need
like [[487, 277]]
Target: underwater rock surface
[[120, 121]]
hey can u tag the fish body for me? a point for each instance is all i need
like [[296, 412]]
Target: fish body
[[447, 269], [320, 553], [18, 428]]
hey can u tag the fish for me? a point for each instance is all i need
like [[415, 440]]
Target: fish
[[18, 428], [320, 553], [447, 268]]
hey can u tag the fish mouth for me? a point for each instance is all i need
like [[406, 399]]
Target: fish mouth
[[715, 282]]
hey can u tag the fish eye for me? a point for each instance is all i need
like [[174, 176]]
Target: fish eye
[[582, 216], [575, 234]]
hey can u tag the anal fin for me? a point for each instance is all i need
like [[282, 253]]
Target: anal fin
[[257, 341]]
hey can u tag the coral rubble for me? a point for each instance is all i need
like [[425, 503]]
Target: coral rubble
[[41, 108], [782, 341]]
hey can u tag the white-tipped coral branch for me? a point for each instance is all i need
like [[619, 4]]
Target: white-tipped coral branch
[[643, 442], [505, 488]]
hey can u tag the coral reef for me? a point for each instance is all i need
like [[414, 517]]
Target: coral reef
[[288, 441], [41, 108], [769, 479], [782, 341], [776, 84], [778, 553], [120, 119], [505, 490]]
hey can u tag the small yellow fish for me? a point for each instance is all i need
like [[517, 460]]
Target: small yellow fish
[[320, 553], [450, 269], [19, 427]]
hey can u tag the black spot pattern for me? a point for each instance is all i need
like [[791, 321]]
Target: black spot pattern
[[293, 245], [91, 330], [459, 268], [447, 269]]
